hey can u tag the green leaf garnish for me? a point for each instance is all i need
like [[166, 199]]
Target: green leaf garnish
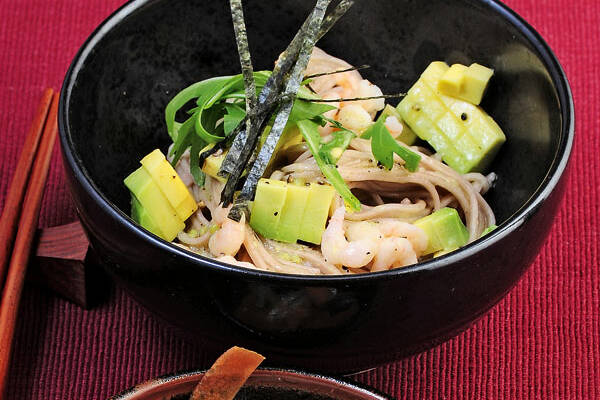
[[234, 115], [183, 139], [195, 167], [383, 146], [307, 110], [198, 89], [310, 131], [333, 150]]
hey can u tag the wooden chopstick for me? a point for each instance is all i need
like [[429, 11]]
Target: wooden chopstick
[[11, 294], [14, 198]]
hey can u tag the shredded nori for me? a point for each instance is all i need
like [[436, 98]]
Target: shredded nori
[[291, 88], [337, 72], [383, 96], [337, 13], [243, 143], [239, 26], [296, 56]]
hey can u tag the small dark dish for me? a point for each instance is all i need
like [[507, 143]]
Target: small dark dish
[[112, 114], [262, 384]]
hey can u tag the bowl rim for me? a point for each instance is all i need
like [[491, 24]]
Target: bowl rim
[[512, 223], [355, 386]]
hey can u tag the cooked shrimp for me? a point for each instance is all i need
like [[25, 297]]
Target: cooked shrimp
[[357, 252], [355, 118], [391, 227], [322, 62], [228, 240], [367, 89], [394, 252], [219, 215], [394, 126]]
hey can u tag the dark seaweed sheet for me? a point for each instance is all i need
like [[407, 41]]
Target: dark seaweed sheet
[[239, 154], [273, 85], [291, 88]]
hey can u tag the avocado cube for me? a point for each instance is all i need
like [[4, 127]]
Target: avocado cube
[[268, 206], [465, 83], [292, 213], [465, 136], [481, 129], [141, 216], [453, 81], [477, 78], [150, 197], [419, 118], [433, 73], [212, 165], [316, 212], [170, 184], [444, 229]]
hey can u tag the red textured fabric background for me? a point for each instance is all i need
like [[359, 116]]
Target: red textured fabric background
[[541, 342]]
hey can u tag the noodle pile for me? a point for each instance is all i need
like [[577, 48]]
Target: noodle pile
[[391, 199]]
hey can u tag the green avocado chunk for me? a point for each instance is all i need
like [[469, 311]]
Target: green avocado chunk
[[150, 197], [289, 212], [316, 212], [445, 230], [141, 216], [464, 135], [292, 214], [267, 207]]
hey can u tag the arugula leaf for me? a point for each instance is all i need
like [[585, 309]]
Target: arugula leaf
[[208, 92], [233, 116], [333, 150], [195, 167], [303, 109], [383, 146], [196, 90], [309, 130], [183, 140], [210, 95]]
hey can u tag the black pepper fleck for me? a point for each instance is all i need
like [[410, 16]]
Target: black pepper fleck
[[463, 116]]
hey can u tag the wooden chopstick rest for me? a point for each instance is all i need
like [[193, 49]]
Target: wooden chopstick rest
[[65, 263]]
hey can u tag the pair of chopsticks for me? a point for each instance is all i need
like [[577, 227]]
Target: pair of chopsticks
[[19, 220]]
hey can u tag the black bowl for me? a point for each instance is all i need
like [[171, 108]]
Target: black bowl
[[111, 114], [262, 384]]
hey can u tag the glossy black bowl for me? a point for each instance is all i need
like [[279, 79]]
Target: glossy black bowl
[[111, 114]]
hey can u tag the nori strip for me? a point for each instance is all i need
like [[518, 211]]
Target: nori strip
[[243, 144], [383, 96], [337, 13], [291, 88], [337, 72], [239, 26]]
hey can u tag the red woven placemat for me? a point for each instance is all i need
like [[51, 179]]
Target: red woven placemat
[[541, 341]]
